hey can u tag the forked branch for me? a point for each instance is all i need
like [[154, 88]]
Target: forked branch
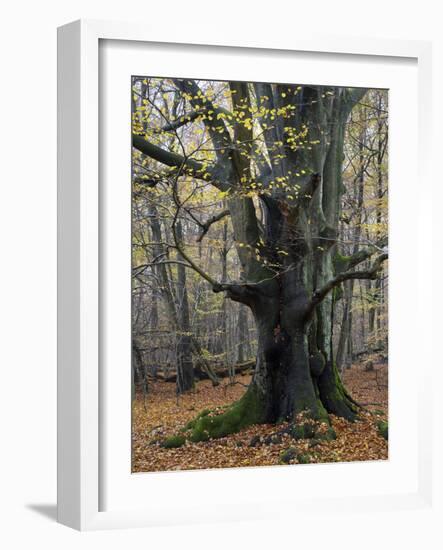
[[365, 253], [207, 224], [370, 273]]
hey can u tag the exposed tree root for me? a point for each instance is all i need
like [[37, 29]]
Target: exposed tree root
[[334, 396], [249, 410]]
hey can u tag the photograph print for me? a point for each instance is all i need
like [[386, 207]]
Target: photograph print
[[259, 274]]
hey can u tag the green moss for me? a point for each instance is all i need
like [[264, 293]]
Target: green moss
[[303, 431], [310, 430], [321, 414], [191, 424], [297, 431], [248, 410], [328, 435], [210, 425], [383, 429], [311, 408], [292, 454], [340, 262], [255, 441], [334, 395], [337, 293], [288, 455], [303, 458], [173, 442]]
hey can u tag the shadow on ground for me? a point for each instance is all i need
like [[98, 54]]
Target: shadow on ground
[[48, 511]]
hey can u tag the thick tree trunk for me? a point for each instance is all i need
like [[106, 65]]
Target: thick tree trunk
[[282, 376], [286, 382], [285, 377]]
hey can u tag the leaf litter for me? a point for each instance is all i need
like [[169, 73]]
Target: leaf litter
[[162, 415]]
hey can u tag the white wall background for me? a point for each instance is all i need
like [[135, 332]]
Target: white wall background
[[28, 264]]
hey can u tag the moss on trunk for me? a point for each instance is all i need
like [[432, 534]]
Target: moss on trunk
[[334, 395]]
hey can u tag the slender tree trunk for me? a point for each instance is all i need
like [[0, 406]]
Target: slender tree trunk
[[185, 368], [350, 342], [282, 384], [177, 308], [244, 347], [342, 347]]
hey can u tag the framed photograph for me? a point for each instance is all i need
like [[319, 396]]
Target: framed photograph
[[233, 220]]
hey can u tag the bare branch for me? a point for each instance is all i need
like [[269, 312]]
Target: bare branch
[[216, 128], [146, 181], [370, 273], [137, 270], [190, 117], [165, 157], [188, 165], [364, 254], [179, 122], [207, 224]]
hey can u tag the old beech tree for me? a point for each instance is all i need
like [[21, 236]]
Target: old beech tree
[[279, 149]]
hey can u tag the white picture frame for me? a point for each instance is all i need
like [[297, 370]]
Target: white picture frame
[[81, 412]]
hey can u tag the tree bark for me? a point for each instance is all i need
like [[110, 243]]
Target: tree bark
[[244, 346]]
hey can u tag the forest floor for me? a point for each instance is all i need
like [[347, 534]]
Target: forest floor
[[161, 415]]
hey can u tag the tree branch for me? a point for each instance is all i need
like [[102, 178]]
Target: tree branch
[[234, 291], [207, 224], [216, 128], [146, 181], [363, 254], [137, 270], [165, 157], [179, 122], [370, 273], [190, 117], [189, 166]]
